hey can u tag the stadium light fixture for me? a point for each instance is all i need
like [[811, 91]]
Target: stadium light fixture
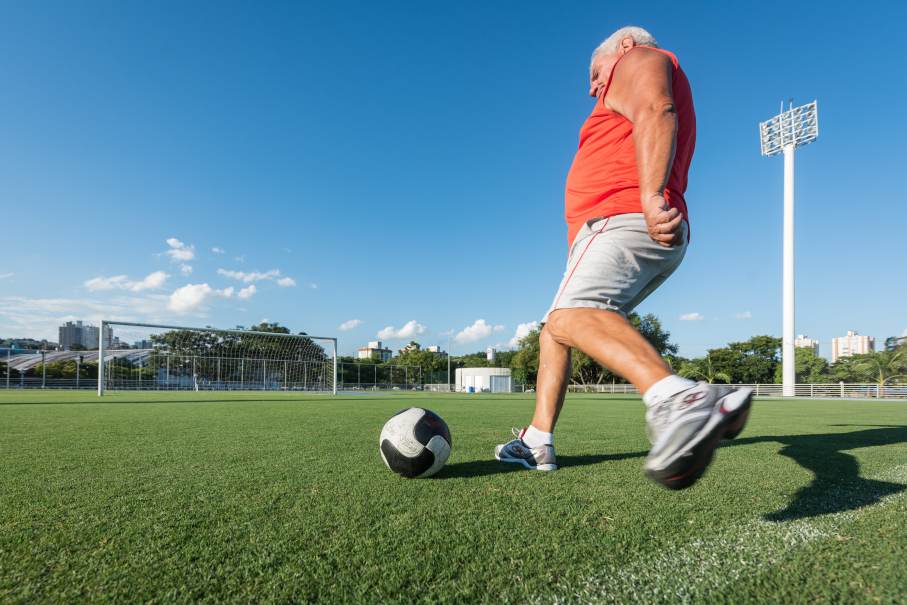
[[782, 134]]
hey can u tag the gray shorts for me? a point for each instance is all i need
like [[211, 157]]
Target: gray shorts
[[615, 265]]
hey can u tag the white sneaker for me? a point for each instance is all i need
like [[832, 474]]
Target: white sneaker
[[539, 458], [686, 428]]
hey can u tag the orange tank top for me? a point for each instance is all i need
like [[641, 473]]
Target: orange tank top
[[604, 180]]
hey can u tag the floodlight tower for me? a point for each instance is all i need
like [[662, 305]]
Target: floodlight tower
[[784, 133]]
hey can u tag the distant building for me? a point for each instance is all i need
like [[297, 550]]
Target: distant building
[[374, 349], [87, 336], [143, 344], [71, 334], [116, 345], [804, 342], [491, 354], [436, 351], [484, 380], [852, 344]]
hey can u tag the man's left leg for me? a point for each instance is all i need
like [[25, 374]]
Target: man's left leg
[[533, 446]]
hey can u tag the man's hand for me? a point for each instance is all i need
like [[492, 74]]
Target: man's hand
[[662, 221]]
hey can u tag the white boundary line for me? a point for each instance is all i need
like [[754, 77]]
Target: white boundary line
[[688, 573]]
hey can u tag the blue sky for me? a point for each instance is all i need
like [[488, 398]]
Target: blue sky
[[403, 165]]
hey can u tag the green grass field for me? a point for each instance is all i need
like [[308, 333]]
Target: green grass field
[[184, 497]]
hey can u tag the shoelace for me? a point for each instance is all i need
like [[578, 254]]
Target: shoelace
[[516, 432]]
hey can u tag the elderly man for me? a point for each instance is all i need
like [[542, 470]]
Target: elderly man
[[628, 231]]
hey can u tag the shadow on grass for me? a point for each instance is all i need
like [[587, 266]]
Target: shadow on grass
[[837, 485], [479, 468]]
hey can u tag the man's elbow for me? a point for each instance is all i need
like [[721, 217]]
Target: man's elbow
[[663, 108], [657, 112]]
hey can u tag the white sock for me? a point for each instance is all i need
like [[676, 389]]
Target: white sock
[[665, 388], [534, 437]]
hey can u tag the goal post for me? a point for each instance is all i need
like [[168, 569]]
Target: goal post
[[136, 356]]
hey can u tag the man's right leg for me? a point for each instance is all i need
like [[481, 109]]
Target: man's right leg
[[686, 420]]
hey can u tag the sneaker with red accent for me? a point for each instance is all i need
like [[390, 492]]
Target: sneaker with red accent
[[539, 458], [685, 430]]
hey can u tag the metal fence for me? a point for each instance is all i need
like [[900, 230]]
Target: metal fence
[[845, 390], [378, 377]]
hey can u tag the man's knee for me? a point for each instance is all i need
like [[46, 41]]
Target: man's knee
[[563, 323], [557, 328]]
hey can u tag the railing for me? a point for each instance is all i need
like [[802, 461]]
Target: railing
[[845, 390], [119, 384], [623, 389]]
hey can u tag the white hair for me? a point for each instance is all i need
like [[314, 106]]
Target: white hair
[[639, 36]]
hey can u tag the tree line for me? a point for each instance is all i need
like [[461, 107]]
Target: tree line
[[754, 361]]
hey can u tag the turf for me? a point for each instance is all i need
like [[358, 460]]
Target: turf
[[184, 497]]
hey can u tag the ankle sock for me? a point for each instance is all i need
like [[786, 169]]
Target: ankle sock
[[534, 437], [665, 388]]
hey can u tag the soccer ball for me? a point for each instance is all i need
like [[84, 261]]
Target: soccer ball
[[415, 443]]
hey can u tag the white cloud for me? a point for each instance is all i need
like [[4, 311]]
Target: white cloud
[[122, 282], [186, 269], [246, 277], [251, 276], [193, 299], [152, 282], [41, 318], [4, 275], [241, 259], [410, 331], [448, 333], [522, 331], [692, 317], [179, 251], [476, 331], [314, 286], [107, 283], [349, 325], [744, 315], [904, 333], [218, 250]]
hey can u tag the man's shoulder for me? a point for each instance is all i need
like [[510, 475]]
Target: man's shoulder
[[643, 56]]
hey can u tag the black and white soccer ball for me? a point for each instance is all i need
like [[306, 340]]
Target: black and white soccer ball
[[415, 443]]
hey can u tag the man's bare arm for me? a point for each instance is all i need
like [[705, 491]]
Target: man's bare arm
[[640, 91]]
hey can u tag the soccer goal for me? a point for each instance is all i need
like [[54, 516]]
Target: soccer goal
[[136, 356]]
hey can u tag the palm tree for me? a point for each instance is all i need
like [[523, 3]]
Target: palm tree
[[704, 371], [884, 366]]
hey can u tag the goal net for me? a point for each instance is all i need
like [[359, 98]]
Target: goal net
[[173, 358]]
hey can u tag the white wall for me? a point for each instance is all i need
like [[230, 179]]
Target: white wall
[[474, 377]]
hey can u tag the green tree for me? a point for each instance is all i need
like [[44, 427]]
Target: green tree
[[650, 327], [703, 369], [675, 362], [753, 361], [413, 355], [810, 368], [883, 366], [526, 358]]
